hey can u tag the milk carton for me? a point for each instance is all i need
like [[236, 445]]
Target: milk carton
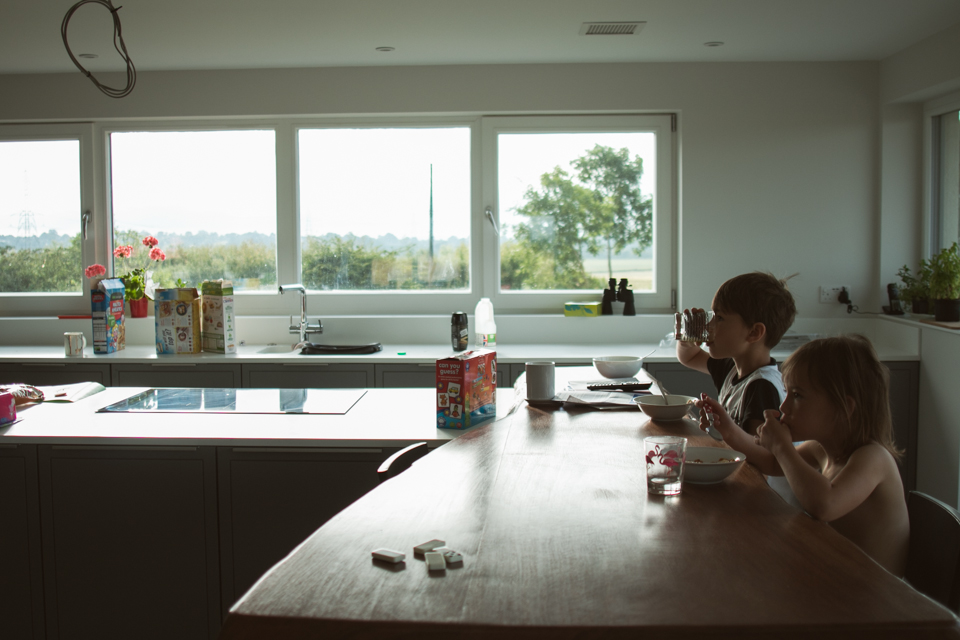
[[467, 389], [177, 318], [218, 330], [106, 307]]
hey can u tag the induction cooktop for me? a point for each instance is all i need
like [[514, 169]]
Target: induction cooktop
[[302, 401]]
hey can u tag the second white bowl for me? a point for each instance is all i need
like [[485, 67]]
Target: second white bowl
[[618, 366]]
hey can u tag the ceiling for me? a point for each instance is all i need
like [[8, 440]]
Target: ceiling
[[248, 34]]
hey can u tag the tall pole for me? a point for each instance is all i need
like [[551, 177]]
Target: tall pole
[[431, 214]]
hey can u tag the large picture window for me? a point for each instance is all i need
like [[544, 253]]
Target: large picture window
[[945, 190]]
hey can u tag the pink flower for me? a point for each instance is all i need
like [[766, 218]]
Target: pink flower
[[150, 241], [156, 253], [95, 270], [123, 251]]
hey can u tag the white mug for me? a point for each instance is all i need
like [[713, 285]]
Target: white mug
[[540, 380], [74, 342]]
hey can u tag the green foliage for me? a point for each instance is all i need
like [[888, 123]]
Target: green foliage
[[945, 274], [915, 287], [54, 269]]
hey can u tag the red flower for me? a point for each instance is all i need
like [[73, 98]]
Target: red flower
[[150, 241], [95, 270], [123, 251], [156, 253]]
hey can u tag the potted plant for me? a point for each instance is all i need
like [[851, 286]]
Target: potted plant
[[915, 290], [945, 284], [135, 280]]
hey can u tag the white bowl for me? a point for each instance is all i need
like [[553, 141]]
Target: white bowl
[[665, 407], [716, 463], [618, 366]]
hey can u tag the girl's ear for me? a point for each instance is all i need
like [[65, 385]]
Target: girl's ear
[[757, 332], [851, 406]]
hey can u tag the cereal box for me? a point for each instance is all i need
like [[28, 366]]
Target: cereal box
[[467, 389], [177, 317], [106, 307], [218, 331]]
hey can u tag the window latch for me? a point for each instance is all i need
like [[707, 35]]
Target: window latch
[[493, 221], [85, 222]]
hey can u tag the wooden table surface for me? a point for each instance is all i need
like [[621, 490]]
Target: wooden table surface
[[560, 539]]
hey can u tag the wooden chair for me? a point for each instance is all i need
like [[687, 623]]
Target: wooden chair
[[933, 564], [401, 461]]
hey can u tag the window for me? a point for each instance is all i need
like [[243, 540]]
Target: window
[[40, 248], [208, 198], [385, 209], [945, 191], [580, 200]]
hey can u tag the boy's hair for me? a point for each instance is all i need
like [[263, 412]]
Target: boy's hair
[[847, 366], [759, 297]]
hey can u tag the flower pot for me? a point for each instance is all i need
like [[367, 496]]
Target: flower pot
[[920, 307], [138, 308], [946, 310]]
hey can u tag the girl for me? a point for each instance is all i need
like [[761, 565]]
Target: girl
[[845, 472]]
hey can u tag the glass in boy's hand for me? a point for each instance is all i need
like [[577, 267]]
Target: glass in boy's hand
[[665, 456], [693, 325]]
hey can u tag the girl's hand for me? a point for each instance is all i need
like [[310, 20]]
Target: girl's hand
[[772, 434]]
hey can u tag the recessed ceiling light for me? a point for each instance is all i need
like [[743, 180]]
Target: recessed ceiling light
[[713, 44], [385, 49], [88, 56]]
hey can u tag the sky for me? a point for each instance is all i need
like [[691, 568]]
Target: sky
[[360, 181]]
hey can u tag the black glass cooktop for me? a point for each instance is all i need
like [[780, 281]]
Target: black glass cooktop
[[305, 401]]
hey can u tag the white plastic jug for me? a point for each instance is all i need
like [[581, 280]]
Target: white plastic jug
[[486, 328]]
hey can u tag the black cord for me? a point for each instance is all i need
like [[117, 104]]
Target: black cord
[[118, 44]]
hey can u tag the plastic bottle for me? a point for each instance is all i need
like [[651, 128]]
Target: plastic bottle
[[459, 332], [486, 328]]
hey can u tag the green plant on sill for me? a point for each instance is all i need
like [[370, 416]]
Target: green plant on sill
[[135, 284], [915, 288], [945, 274]]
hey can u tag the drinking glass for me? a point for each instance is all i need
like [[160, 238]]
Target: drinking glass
[[665, 456]]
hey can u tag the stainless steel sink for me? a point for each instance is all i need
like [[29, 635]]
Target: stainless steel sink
[[277, 348]]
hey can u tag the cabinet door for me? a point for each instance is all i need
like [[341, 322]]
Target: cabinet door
[[308, 375], [21, 568], [680, 380], [129, 542], [216, 376], [407, 376], [904, 408], [51, 374], [272, 499]]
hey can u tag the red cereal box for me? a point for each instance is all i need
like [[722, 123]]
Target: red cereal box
[[467, 389]]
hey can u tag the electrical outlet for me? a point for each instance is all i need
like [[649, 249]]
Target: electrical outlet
[[830, 293]]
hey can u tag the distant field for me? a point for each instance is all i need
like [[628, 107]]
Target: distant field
[[638, 271]]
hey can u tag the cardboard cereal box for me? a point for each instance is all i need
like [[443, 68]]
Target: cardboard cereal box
[[177, 317], [218, 331], [467, 389], [106, 307]]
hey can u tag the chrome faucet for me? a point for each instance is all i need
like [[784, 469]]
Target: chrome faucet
[[304, 327]]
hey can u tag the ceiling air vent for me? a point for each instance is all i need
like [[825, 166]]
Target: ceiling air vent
[[610, 28]]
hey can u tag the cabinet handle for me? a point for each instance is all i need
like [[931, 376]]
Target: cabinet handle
[[302, 450], [51, 364], [185, 364], [305, 364], [93, 447]]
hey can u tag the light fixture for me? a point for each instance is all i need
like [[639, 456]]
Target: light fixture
[[713, 44], [385, 49], [117, 43]]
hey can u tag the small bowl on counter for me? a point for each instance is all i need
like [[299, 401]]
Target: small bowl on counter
[[618, 366], [710, 465], [665, 408]]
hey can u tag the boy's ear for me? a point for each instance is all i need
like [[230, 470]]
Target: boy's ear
[[757, 332]]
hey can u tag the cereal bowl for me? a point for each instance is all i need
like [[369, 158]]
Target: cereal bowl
[[618, 366], [710, 465], [665, 407]]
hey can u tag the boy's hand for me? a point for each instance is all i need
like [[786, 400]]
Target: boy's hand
[[710, 407], [772, 434]]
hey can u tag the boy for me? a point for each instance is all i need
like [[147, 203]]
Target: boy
[[751, 313]]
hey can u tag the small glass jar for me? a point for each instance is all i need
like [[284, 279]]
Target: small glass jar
[[694, 326], [459, 332]]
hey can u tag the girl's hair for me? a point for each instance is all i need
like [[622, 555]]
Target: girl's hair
[[847, 366]]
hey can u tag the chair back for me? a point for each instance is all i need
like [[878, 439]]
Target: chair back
[[933, 564], [401, 461]]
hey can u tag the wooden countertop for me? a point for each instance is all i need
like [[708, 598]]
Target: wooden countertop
[[560, 539]]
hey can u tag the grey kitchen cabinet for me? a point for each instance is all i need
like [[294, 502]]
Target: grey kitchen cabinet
[[177, 374], [421, 375], [129, 541], [309, 375], [21, 567], [272, 499], [49, 374]]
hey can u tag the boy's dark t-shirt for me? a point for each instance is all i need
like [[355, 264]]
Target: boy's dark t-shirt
[[759, 395]]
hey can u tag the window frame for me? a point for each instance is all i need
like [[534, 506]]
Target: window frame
[[931, 240], [527, 301], [95, 177]]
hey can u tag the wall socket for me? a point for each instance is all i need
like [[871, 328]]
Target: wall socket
[[830, 293]]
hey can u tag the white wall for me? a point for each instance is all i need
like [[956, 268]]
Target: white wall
[[779, 166]]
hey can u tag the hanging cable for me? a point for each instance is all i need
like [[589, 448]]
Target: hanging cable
[[118, 44]]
